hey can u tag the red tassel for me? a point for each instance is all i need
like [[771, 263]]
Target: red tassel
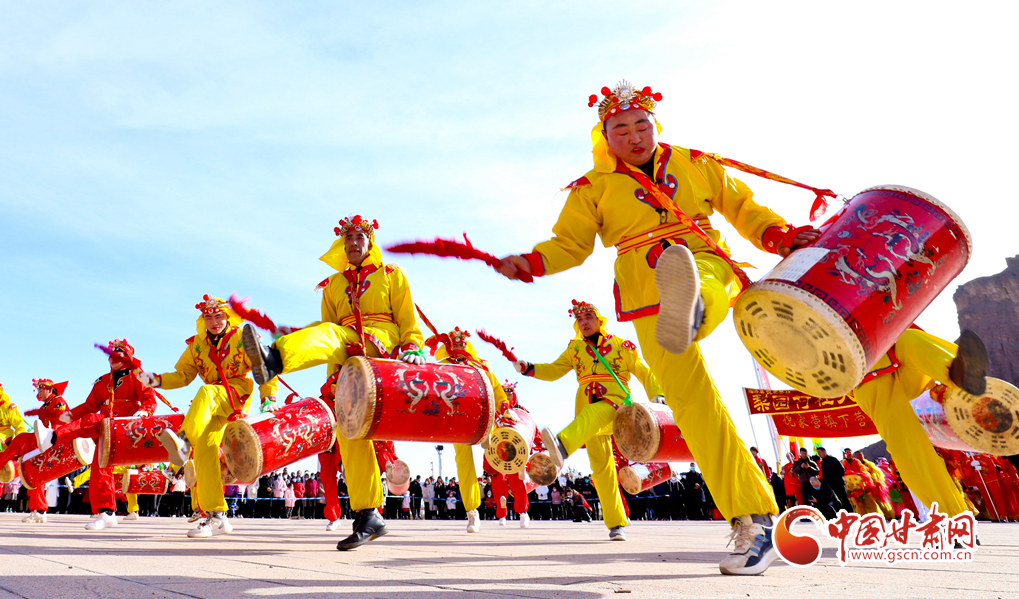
[[819, 207], [257, 318], [448, 248], [432, 343], [134, 363], [499, 344], [428, 323]]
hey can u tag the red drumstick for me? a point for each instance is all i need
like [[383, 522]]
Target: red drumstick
[[259, 319], [499, 344], [448, 248]]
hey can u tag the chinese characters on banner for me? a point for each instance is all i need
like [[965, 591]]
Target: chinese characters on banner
[[797, 414]]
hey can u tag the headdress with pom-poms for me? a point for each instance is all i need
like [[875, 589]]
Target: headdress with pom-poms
[[57, 388], [356, 222], [581, 307], [124, 352], [211, 305], [624, 97], [458, 336]]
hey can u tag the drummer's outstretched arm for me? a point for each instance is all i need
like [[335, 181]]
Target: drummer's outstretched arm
[[269, 389], [572, 242], [185, 372], [404, 313], [554, 371]]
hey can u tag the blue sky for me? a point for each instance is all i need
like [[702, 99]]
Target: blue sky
[[154, 153]]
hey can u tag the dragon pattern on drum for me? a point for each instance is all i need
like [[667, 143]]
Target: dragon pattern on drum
[[825, 315]]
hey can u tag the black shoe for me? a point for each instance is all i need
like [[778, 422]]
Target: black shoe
[[969, 368], [265, 361], [368, 526]]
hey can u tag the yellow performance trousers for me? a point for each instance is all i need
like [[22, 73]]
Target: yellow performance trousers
[[203, 425], [885, 399], [132, 502], [470, 492], [736, 483], [593, 427], [326, 343]]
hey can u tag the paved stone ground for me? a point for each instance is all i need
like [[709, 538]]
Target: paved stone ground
[[431, 560]]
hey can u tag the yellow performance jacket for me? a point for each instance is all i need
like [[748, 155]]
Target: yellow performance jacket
[[595, 381], [197, 361], [12, 423], [387, 307], [613, 205]]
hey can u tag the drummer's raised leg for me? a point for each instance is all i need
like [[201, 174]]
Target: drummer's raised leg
[[592, 419], [324, 343], [963, 365], [694, 292]]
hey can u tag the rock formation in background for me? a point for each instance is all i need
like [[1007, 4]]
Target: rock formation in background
[[989, 306]]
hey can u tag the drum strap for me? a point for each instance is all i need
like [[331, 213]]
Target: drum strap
[[626, 402], [217, 355], [355, 277], [663, 201]]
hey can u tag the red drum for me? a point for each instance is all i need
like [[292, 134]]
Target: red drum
[[397, 477], [150, 482], [129, 441], [57, 461], [637, 478], [646, 432], [824, 316], [510, 443], [390, 399], [541, 469], [9, 472], [529, 484], [265, 442]]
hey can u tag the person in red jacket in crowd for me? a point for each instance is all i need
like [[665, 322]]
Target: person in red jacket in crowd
[[53, 406], [115, 394]]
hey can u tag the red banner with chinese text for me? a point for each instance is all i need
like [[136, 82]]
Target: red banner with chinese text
[[797, 414]]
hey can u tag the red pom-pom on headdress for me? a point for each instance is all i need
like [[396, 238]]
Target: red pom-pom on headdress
[[580, 308], [210, 305], [624, 97], [356, 222]]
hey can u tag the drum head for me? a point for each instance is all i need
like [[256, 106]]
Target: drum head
[[398, 473], [507, 450], [797, 337], [542, 469], [242, 451], [355, 398], [636, 432], [190, 478], [8, 472], [103, 445], [84, 450], [988, 422], [629, 480]]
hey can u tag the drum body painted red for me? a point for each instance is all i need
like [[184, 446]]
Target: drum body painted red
[[511, 441], [646, 432], [265, 442], [393, 400], [129, 441], [822, 318], [150, 482], [57, 461], [637, 478]]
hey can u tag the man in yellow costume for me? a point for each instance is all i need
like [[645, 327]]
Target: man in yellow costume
[[367, 309], [456, 349], [603, 364], [916, 361], [216, 354], [674, 280], [12, 423]]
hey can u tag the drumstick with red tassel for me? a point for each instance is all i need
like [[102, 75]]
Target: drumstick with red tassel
[[259, 319], [449, 248], [499, 344]]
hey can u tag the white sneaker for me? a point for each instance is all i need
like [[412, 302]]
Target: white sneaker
[[473, 524], [754, 551], [131, 516], [177, 447], [525, 520], [215, 525], [102, 520], [43, 436], [616, 533], [556, 449], [502, 521], [332, 525], [679, 292], [35, 518]]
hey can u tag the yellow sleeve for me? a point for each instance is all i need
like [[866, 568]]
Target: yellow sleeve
[[574, 233], [735, 201], [269, 389], [556, 370], [186, 371], [329, 304], [17, 420], [402, 303], [643, 373]]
